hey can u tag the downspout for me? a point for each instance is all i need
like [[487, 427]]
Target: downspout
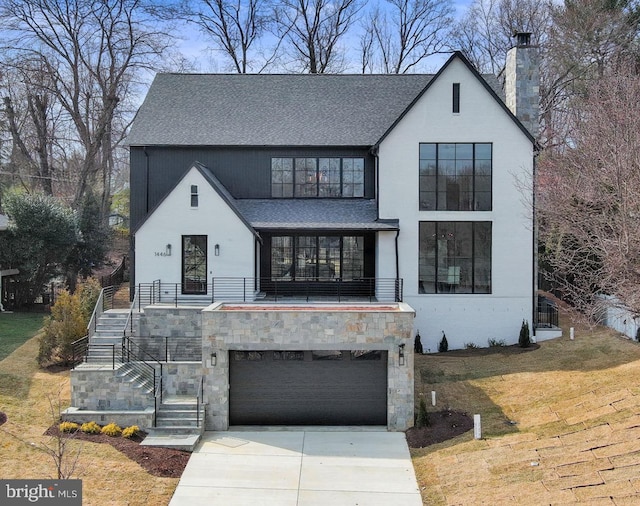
[[146, 155], [534, 270]]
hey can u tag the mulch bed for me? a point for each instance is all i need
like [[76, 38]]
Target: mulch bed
[[514, 349], [443, 425], [163, 462]]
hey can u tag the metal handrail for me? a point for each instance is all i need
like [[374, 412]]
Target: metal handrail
[[199, 400], [128, 326], [144, 357], [79, 350]]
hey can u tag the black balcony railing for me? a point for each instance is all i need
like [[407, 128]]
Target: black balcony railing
[[270, 290], [547, 313]]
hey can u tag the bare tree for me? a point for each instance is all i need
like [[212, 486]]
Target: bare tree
[[313, 30], [236, 28], [90, 51], [587, 197], [406, 32]]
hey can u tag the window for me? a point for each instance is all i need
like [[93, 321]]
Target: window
[[317, 258], [455, 177], [194, 264], [317, 177], [194, 195], [455, 257], [456, 97]]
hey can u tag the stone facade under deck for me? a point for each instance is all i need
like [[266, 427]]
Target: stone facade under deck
[[228, 327]]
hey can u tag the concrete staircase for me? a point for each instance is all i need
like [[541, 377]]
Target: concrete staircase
[[108, 333], [178, 424]]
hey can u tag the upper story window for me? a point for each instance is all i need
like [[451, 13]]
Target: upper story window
[[194, 195], [455, 176], [456, 97], [317, 177]]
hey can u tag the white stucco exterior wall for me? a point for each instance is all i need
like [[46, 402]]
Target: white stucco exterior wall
[[464, 318], [175, 217]]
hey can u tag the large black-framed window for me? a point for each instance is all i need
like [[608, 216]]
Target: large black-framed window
[[455, 176], [317, 177], [455, 257], [317, 258], [194, 264]]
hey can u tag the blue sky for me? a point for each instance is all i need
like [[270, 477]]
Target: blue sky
[[194, 47]]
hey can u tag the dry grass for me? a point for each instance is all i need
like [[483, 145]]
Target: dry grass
[[109, 478], [576, 405]]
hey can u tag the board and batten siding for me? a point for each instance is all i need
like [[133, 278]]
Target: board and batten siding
[[464, 318]]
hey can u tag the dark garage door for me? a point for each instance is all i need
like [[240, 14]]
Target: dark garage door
[[308, 388]]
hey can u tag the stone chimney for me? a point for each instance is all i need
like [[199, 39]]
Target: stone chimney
[[522, 81]]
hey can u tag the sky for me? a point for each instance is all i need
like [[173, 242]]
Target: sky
[[194, 46]]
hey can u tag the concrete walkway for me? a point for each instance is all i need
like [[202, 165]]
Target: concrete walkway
[[300, 468]]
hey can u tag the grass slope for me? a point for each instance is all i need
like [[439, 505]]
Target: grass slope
[[15, 329], [561, 424]]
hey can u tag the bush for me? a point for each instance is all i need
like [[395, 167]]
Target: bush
[[444, 344], [470, 346], [525, 339], [88, 293], [65, 325], [494, 343], [68, 427], [111, 430], [130, 432], [90, 428], [423, 417]]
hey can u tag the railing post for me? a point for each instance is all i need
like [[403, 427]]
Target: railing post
[[213, 290], [339, 289], [166, 348], [176, 295], [244, 289]]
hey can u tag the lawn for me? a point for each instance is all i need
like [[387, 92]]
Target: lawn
[[15, 329], [561, 424], [108, 477]]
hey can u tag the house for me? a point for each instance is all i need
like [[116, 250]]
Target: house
[[4, 273], [324, 221]]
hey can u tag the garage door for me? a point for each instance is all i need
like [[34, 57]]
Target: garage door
[[308, 388]]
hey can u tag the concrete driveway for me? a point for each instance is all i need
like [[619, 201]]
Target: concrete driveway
[[300, 467]]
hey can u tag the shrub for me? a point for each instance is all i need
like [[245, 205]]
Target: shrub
[[495, 343], [88, 293], [111, 430], [130, 432], [444, 344], [525, 339], [470, 346], [63, 327], [68, 427], [90, 428], [423, 417]]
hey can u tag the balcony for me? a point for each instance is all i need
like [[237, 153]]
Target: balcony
[[269, 290]]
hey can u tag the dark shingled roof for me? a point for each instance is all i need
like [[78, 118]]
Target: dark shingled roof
[[322, 214], [273, 110]]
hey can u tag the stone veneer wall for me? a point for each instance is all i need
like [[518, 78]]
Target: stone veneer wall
[[166, 321], [332, 329], [522, 85], [101, 389], [182, 378]]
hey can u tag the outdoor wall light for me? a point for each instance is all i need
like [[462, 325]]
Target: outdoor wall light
[[168, 250], [214, 359], [216, 250], [401, 354]]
